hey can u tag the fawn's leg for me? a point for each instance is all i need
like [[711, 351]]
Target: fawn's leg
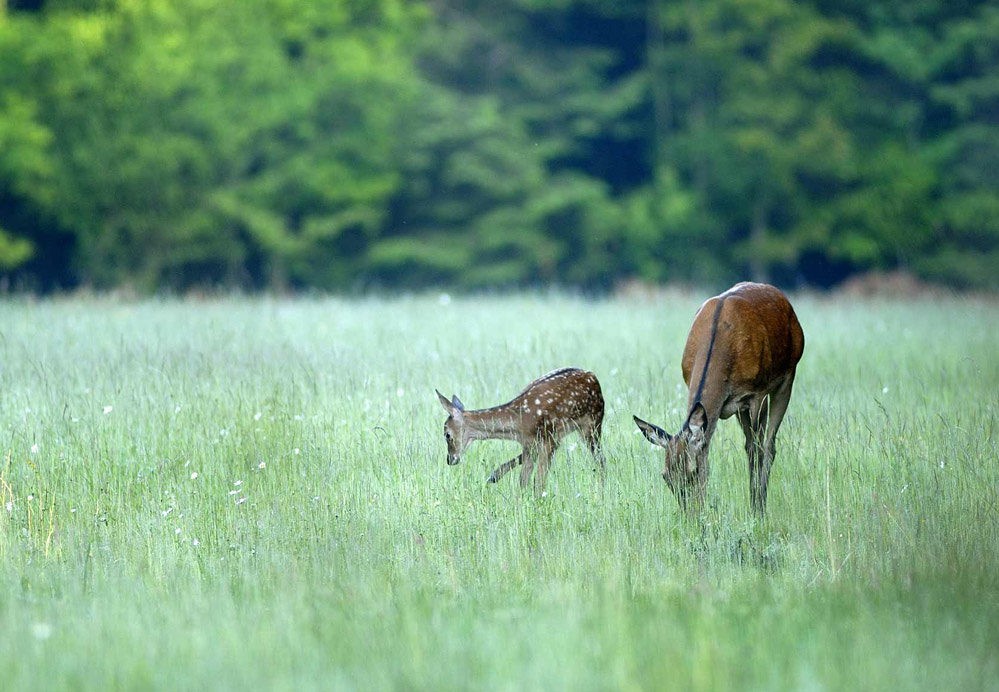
[[528, 456], [591, 434], [505, 468], [545, 450]]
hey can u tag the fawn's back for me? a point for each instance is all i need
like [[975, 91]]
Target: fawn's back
[[559, 399]]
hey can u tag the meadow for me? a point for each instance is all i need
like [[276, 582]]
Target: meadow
[[251, 493]]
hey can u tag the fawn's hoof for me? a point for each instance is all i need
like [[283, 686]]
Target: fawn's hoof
[[491, 479]]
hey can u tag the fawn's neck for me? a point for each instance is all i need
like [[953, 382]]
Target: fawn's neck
[[500, 423]]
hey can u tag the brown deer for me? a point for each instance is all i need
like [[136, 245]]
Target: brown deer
[[740, 358], [551, 407]]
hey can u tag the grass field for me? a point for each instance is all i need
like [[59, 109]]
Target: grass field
[[251, 494]]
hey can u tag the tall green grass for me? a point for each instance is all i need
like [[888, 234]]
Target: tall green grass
[[252, 494]]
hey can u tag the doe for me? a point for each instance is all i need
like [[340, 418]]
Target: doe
[[740, 359]]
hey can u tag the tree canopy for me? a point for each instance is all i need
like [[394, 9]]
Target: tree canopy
[[342, 144]]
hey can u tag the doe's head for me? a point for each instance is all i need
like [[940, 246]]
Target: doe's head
[[454, 427], [686, 451]]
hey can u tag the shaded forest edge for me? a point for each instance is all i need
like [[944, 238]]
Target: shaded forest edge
[[187, 145]]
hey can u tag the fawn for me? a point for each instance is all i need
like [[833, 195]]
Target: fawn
[[561, 402]]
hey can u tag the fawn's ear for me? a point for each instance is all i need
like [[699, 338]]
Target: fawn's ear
[[696, 425], [448, 406], [653, 433], [456, 402]]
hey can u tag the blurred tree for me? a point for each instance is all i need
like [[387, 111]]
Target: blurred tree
[[198, 142], [280, 144], [23, 165], [33, 249], [964, 97], [906, 61], [315, 179], [526, 127], [746, 119]]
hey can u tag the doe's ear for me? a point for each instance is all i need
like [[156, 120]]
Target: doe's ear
[[653, 433], [698, 418], [456, 402], [696, 425], [448, 406]]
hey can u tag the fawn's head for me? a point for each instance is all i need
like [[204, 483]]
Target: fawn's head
[[454, 428], [685, 451]]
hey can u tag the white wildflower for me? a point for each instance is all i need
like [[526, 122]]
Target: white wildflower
[[34, 448], [257, 415], [108, 409], [194, 475], [41, 630]]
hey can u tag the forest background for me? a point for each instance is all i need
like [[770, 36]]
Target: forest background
[[344, 145]]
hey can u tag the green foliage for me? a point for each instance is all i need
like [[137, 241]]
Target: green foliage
[[13, 251], [340, 143], [25, 163], [182, 152]]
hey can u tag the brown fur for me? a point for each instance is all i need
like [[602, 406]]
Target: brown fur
[[740, 359]]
